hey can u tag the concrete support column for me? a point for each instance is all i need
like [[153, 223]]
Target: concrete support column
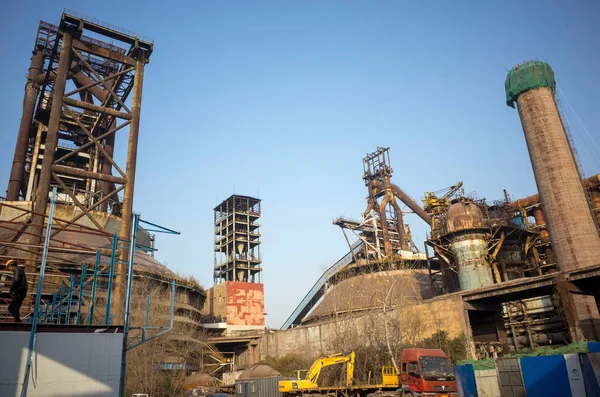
[[468, 331], [580, 311], [17, 173], [500, 330]]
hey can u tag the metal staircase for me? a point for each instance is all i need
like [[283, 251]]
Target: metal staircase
[[318, 290]]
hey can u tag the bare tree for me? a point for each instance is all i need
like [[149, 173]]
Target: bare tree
[[160, 366]]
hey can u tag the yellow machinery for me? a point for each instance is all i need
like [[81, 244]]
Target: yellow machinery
[[308, 379], [436, 205], [390, 376]]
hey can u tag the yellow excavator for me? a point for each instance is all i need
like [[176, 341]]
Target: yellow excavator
[[305, 380]]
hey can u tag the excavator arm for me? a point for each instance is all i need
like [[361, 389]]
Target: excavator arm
[[315, 369], [312, 375]]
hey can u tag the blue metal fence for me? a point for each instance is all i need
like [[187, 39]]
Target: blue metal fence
[[465, 380], [574, 374]]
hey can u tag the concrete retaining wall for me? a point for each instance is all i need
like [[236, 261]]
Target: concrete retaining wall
[[416, 322]]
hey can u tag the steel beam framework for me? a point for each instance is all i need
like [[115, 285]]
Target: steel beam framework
[[237, 240], [81, 90]]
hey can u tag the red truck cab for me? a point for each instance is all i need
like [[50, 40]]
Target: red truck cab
[[427, 373]]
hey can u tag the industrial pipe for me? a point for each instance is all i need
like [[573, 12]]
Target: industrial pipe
[[525, 202], [96, 108], [534, 199], [17, 173], [80, 78], [406, 199], [77, 172], [540, 222]]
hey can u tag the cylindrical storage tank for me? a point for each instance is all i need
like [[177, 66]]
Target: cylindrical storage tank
[[469, 246], [573, 234], [472, 267]]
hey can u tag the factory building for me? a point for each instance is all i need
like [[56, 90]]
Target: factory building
[[518, 274], [508, 275]]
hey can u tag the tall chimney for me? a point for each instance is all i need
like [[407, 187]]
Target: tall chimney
[[573, 233]]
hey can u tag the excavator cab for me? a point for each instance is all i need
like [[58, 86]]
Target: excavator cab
[[300, 374]]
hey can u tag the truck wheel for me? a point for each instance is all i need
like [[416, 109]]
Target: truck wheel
[[408, 394]]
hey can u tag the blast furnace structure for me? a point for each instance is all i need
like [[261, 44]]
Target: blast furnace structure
[[524, 270]]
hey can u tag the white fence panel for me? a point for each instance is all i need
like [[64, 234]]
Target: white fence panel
[[487, 383]]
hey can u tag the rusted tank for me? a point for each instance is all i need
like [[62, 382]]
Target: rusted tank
[[469, 245], [573, 234], [199, 379], [464, 215], [259, 371]]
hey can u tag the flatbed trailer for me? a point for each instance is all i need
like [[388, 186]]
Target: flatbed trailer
[[368, 391], [379, 390], [424, 373]]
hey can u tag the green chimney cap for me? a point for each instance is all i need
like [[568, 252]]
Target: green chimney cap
[[531, 74]]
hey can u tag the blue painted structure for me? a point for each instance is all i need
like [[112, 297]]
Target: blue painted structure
[[519, 221], [594, 347], [592, 388], [545, 376], [465, 380], [38, 295]]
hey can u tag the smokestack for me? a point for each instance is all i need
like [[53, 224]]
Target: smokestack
[[573, 233]]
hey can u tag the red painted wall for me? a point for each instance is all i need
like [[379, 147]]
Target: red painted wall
[[245, 303]]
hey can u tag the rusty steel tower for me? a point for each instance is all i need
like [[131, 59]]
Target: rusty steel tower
[[377, 176], [84, 86], [237, 240], [573, 233]]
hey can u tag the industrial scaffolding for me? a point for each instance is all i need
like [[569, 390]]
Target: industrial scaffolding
[[74, 104], [237, 240]]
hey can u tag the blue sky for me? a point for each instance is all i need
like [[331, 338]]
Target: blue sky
[[282, 99]]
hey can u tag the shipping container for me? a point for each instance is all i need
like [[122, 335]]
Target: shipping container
[[258, 387]]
